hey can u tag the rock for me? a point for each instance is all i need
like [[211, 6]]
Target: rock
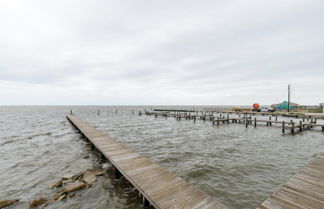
[[56, 196], [89, 177], [66, 181], [56, 184], [37, 202], [96, 172], [77, 176], [5, 203], [74, 187], [61, 197]]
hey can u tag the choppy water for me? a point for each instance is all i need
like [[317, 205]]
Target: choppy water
[[240, 167]]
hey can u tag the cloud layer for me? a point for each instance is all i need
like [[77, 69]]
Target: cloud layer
[[161, 52]]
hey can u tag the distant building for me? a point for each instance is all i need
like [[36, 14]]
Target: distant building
[[284, 106]]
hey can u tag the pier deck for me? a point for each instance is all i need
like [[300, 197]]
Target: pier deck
[[304, 190], [162, 189]]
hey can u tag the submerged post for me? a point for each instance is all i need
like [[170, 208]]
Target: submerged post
[[255, 122], [283, 126]]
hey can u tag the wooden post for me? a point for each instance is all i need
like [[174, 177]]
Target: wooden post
[[283, 126], [71, 113], [140, 113], [98, 112], [133, 112], [322, 128], [276, 117], [255, 122], [194, 119], [246, 122], [300, 125], [145, 202], [116, 111], [217, 120], [292, 127]]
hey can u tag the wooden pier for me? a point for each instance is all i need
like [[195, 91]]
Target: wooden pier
[[158, 187], [305, 190]]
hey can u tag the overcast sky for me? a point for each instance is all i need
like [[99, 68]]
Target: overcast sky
[[127, 52]]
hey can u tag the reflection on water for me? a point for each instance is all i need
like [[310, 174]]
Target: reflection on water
[[240, 167]]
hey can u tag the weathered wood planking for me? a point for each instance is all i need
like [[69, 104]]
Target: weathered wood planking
[[160, 187], [304, 190]]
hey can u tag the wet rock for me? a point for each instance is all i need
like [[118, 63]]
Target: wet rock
[[61, 197], [5, 203], [37, 202], [77, 176], [67, 180], [89, 177], [74, 187], [56, 184], [96, 172]]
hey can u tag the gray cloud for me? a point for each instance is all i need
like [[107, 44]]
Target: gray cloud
[[160, 52]]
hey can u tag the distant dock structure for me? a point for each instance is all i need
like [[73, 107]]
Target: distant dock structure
[[305, 122]]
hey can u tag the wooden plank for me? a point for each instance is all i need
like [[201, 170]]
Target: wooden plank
[[161, 188], [305, 190]]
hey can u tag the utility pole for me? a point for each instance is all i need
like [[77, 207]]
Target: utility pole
[[288, 97]]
